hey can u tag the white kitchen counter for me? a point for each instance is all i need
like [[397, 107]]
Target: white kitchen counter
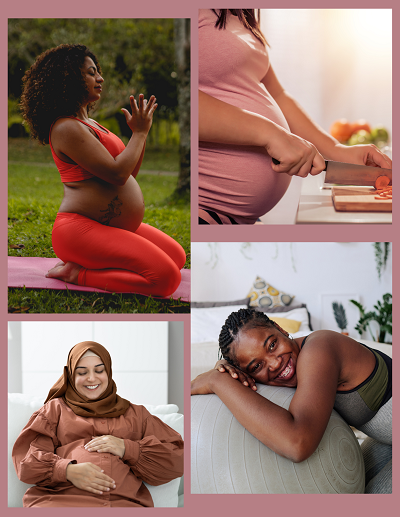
[[316, 206]]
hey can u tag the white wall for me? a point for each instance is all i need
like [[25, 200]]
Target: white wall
[[175, 363], [336, 62], [139, 350], [311, 271]]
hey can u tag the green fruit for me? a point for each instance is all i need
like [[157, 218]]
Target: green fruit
[[361, 137], [379, 134]]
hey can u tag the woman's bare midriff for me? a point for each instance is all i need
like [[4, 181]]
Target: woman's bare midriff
[[111, 205]]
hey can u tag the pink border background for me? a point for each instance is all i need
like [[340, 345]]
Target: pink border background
[[195, 505]]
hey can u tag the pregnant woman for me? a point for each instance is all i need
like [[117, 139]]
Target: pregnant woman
[[327, 369], [245, 118], [98, 233], [89, 447]]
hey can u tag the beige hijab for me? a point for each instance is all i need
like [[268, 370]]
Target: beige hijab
[[108, 405]]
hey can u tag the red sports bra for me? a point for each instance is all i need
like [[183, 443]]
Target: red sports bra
[[71, 172]]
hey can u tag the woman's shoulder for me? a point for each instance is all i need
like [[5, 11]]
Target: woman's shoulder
[[207, 17], [328, 336], [328, 342], [48, 415], [137, 410], [53, 409], [322, 335], [67, 125]]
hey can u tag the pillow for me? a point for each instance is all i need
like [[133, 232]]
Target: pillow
[[299, 315], [291, 326], [203, 305], [206, 323], [163, 409], [281, 308], [263, 294], [271, 313]]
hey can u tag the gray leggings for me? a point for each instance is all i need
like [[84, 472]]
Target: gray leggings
[[377, 451]]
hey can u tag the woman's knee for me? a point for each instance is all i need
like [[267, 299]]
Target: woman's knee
[[181, 257], [163, 241], [168, 282]]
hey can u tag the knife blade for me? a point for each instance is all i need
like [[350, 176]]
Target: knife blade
[[338, 173]]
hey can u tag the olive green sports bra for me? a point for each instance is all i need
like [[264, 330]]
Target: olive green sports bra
[[359, 405]]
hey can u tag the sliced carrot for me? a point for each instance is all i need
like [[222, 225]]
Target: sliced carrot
[[381, 182], [383, 193]]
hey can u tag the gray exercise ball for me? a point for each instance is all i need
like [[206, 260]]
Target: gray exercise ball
[[227, 459]]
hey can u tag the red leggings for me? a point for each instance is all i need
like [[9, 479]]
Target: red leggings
[[146, 261]]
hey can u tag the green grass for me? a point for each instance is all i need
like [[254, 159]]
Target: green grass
[[35, 193], [26, 301]]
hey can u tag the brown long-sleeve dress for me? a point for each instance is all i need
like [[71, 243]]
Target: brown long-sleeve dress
[[55, 436]]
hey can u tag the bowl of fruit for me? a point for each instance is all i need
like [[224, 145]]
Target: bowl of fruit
[[359, 132]]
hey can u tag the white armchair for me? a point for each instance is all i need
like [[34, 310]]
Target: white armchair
[[20, 409]]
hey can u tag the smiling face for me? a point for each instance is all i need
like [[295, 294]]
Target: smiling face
[[93, 79], [268, 355], [91, 379]]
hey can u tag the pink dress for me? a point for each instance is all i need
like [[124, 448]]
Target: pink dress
[[237, 181]]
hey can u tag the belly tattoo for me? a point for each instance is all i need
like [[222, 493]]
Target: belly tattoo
[[113, 210]]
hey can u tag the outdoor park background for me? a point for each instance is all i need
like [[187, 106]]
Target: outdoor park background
[[149, 56]]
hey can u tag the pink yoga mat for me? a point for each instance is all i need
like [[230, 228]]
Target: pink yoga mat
[[30, 272]]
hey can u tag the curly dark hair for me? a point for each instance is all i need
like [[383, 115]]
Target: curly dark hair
[[54, 86], [248, 318]]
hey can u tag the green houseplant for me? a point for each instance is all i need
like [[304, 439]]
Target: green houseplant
[[382, 250], [382, 315]]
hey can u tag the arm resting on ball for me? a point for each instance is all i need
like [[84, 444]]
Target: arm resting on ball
[[294, 433]]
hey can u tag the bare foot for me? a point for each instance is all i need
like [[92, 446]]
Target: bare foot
[[67, 272]]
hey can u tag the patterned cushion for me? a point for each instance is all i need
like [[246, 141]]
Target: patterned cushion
[[262, 294]]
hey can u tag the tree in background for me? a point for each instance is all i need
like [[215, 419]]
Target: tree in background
[[182, 52], [136, 55]]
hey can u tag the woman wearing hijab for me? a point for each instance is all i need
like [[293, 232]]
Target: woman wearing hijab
[[88, 447]]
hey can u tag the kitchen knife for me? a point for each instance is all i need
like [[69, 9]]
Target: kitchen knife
[[338, 173]]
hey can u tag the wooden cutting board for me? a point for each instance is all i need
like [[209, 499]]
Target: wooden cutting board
[[359, 199]]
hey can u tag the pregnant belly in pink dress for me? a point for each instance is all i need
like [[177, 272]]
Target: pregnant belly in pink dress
[[237, 181]]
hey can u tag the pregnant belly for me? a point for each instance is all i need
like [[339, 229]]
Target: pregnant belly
[[112, 465], [239, 181], [117, 206]]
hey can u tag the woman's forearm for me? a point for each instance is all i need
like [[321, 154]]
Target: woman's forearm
[[273, 425], [139, 163], [128, 162], [302, 125], [223, 123]]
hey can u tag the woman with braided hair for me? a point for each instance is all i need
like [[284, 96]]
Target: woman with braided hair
[[328, 369]]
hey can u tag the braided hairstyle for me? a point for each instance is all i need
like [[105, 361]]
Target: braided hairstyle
[[249, 318]]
